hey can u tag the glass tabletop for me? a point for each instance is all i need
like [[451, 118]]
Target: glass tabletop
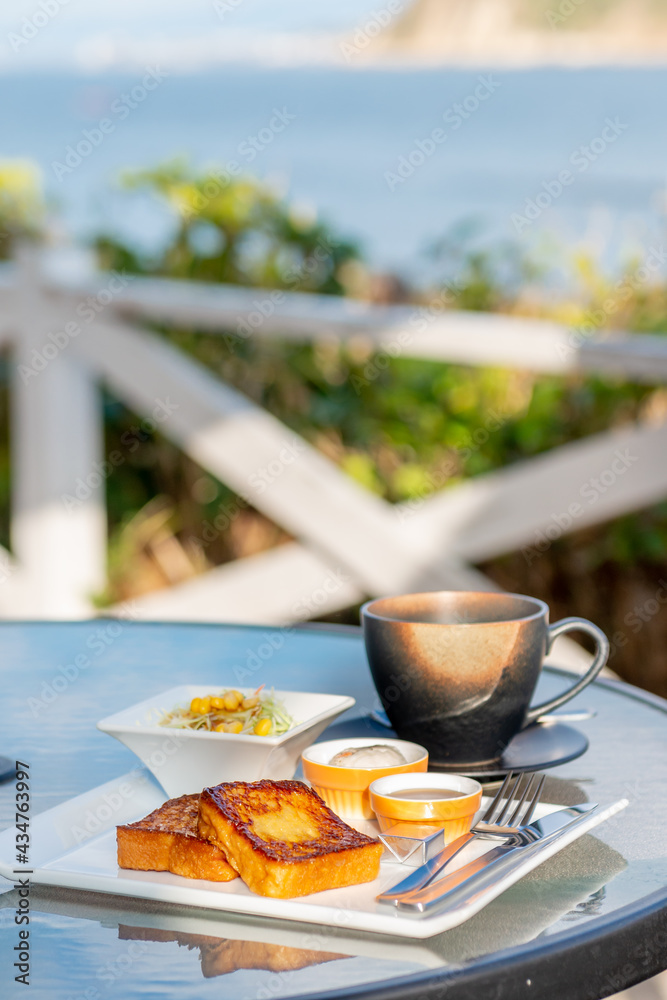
[[59, 679]]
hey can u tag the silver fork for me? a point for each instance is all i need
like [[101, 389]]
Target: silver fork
[[504, 820]]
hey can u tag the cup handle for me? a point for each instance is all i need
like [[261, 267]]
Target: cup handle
[[601, 656]]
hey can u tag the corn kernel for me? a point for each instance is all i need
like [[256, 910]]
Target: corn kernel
[[217, 702], [205, 705], [229, 727], [262, 727], [250, 702], [195, 706], [232, 700]]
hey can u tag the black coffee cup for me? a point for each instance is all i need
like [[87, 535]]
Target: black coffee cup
[[456, 671]]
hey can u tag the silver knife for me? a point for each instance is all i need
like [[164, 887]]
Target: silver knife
[[422, 875], [537, 834]]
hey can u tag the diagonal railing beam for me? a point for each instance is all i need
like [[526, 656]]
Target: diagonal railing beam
[[277, 587], [263, 461], [533, 502]]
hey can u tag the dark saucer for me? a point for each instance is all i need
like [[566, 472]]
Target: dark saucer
[[540, 746]]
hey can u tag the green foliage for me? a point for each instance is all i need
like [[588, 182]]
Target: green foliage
[[21, 203], [21, 217], [235, 230], [480, 276]]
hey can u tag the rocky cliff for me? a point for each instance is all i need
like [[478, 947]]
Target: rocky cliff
[[526, 31]]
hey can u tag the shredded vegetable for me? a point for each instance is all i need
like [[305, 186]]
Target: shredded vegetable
[[259, 714]]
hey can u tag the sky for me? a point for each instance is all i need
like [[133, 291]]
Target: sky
[[94, 35]]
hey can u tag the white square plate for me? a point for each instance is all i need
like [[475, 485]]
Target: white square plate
[[74, 845]]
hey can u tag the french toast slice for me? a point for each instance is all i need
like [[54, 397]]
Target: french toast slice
[[283, 840], [167, 841]]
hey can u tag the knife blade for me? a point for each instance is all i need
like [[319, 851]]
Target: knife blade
[[417, 881], [486, 875]]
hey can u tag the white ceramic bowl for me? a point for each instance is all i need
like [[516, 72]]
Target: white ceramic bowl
[[187, 760]]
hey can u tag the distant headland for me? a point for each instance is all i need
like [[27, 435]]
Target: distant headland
[[519, 32]]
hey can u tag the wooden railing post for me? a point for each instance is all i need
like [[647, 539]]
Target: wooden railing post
[[57, 453]]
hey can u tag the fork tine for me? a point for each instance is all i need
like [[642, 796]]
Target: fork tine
[[486, 818], [536, 798], [510, 797], [512, 821]]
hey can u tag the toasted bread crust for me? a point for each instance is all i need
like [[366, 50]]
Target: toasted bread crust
[[175, 816], [167, 840], [241, 802], [283, 840]]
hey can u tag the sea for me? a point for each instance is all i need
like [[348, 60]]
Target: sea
[[397, 160]]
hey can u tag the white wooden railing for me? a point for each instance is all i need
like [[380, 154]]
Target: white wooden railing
[[348, 543]]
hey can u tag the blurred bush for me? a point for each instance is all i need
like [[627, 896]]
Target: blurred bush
[[235, 230], [21, 203], [22, 216], [228, 229]]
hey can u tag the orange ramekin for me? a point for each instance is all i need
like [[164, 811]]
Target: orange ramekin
[[455, 816], [345, 789]]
